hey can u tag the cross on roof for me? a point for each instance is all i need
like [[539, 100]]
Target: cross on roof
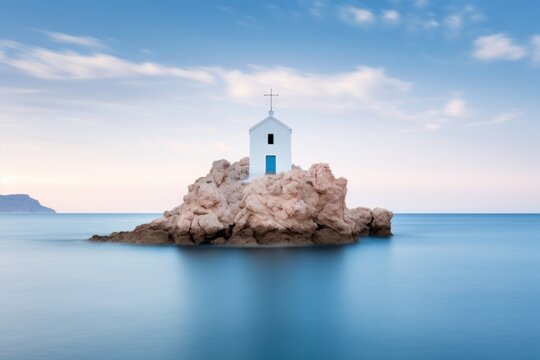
[[271, 96]]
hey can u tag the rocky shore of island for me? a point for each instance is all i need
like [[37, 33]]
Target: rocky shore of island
[[297, 207]]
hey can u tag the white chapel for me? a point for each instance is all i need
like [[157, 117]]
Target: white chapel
[[269, 145]]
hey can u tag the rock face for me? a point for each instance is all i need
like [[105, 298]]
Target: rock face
[[21, 203], [298, 207]]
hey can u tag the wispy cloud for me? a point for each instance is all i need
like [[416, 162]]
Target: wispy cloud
[[225, 9], [498, 47], [499, 119], [535, 51], [51, 64], [356, 15], [435, 119], [454, 22], [455, 107], [391, 16], [18, 90], [421, 3], [248, 21], [317, 8], [87, 41], [242, 19], [369, 91], [458, 19], [415, 17], [342, 90], [430, 24]]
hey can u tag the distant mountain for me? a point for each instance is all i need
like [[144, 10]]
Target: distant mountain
[[21, 203]]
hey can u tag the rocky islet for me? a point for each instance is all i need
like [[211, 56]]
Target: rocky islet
[[297, 207]]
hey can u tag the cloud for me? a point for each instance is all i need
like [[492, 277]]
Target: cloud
[[499, 119], [248, 21], [365, 90], [414, 17], [455, 107], [146, 51], [317, 8], [431, 24], [435, 119], [18, 90], [497, 47], [60, 65], [391, 16], [87, 41], [356, 15], [535, 51], [357, 88], [456, 21], [225, 9]]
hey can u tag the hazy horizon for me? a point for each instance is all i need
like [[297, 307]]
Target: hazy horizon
[[424, 107]]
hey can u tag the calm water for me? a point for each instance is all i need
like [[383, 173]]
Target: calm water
[[444, 287]]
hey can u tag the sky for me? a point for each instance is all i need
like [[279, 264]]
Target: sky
[[423, 105]]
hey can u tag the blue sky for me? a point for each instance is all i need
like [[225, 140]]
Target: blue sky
[[119, 105]]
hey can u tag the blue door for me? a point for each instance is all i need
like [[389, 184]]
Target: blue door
[[270, 164]]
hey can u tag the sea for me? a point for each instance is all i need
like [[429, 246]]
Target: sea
[[445, 286]]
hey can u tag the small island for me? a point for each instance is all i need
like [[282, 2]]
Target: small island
[[297, 207], [22, 203], [262, 200]]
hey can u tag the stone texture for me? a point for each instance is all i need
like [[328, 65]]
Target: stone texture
[[381, 223], [298, 207], [143, 235]]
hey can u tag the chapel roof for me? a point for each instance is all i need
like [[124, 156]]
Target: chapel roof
[[268, 118]]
